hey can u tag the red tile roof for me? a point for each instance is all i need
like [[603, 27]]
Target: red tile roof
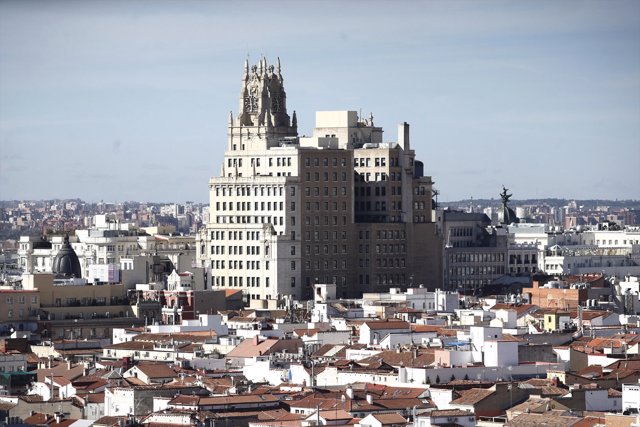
[[387, 324]]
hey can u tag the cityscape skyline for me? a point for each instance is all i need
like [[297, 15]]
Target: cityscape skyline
[[133, 105]]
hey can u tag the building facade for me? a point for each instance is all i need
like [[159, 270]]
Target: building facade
[[475, 252], [340, 206]]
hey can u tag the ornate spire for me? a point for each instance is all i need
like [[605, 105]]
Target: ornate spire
[[263, 98], [230, 118], [294, 120]]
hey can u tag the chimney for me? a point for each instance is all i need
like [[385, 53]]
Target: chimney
[[349, 392], [58, 417], [256, 340], [369, 399], [69, 364], [403, 135]]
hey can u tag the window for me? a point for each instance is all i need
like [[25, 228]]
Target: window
[[293, 265]]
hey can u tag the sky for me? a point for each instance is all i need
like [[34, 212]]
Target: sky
[[129, 100]]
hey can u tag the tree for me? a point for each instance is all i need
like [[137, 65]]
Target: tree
[[437, 379]]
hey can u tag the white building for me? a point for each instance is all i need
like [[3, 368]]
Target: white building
[[631, 397]]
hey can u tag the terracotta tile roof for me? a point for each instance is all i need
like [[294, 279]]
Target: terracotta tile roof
[[409, 310], [591, 421], [448, 332], [384, 399], [5, 406], [548, 419], [157, 370], [248, 348], [217, 385], [278, 414], [631, 364], [305, 332], [31, 398], [509, 337], [545, 386], [591, 371], [336, 415], [108, 421], [183, 400], [95, 397], [331, 350], [425, 357], [245, 319], [135, 381], [588, 315], [196, 336], [472, 396], [278, 314], [387, 324], [537, 405], [397, 404], [623, 375], [131, 345], [79, 352], [387, 419], [602, 343], [450, 413], [612, 392], [61, 370], [425, 328], [48, 420], [59, 381]]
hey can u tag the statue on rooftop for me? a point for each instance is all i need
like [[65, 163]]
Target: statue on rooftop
[[505, 196], [508, 215]]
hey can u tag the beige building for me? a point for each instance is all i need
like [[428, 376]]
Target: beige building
[[341, 206], [74, 309], [19, 309]]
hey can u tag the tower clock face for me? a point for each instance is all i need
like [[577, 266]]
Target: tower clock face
[[250, 103]]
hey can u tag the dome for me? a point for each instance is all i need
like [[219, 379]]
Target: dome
[[66, 262]]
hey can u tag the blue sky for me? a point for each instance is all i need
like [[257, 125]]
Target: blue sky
[[129, 100]]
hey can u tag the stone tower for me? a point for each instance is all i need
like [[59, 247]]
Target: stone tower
[[263, 120]]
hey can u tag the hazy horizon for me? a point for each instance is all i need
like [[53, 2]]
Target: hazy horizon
[[121, 101]]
